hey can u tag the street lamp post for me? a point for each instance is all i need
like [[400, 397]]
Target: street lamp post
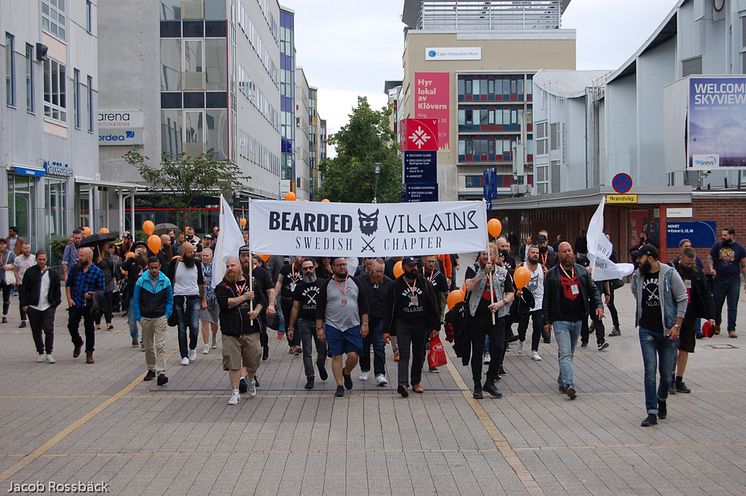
[[378, 174]]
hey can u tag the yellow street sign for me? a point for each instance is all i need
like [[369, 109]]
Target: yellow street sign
[[621, 199]]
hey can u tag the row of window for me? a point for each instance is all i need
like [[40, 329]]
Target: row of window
[[194, 65], [194, 29], [176, 10], [195, 132], [501, 116], [251, 149], [251, 34], [493, 86], [543, 142], [55, 86], [503, 181], [248, 88], [54, 17], [490, 148]]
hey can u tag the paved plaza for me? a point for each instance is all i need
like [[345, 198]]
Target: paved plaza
[[71, 422]]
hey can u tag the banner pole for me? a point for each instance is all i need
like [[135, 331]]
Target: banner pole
[[492, 288]]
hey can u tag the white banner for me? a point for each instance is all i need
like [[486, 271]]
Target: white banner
[[230, 240], [600, 248], [365, 229]]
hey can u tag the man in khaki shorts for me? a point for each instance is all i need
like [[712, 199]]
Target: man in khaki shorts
[[240, 325], [152, 304]]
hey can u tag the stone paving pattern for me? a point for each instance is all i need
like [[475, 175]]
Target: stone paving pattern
[[185, 439]]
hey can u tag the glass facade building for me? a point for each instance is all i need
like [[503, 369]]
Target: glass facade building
[[287, 92]]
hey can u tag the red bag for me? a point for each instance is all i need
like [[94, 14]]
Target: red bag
[[436, 357], [708, 330]]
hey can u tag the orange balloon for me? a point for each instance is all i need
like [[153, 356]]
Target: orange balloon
[[325, 200], [264, 258], [243, 221], [289, 196], [522, 276], [494, 227], [455, 297], [398, 271], [148, 227], [154, 243], [103, 230], [129, 254], [87, 231]]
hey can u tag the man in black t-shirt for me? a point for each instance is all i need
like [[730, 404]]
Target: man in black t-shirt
[[376, 286], [727, 263], [290, 276], [305, 298]]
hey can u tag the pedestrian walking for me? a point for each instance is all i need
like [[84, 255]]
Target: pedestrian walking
[[303, 314], [700, 305], [661, 297], [188, 283], [411, 315], [727, 262], [239, 326], [153, 303], [70, 255], [265, 277], [23, 262], [39, 296], [570, 295], [535, 286], [376, 286], [134, 267], [8, 282], [342, 320], [290, 276], [210, 316], [490, 293], [83, 282], [108, 267]]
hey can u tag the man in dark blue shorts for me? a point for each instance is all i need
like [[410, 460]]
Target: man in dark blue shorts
[[342, 320]]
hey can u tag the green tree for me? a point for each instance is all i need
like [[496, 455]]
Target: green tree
[[183, 178], [364, 141]]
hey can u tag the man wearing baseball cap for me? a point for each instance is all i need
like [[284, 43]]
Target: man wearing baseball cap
[[661, 299], [411, 313]]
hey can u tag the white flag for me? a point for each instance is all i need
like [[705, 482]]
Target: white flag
[[230, 240], [599, 250]]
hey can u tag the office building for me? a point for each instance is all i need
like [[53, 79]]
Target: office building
[[302, 135], [287, 96]]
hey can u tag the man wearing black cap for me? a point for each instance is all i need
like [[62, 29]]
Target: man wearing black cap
[[661, 299], [411, 313]]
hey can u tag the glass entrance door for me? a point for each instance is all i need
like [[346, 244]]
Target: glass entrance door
[[21, 206]]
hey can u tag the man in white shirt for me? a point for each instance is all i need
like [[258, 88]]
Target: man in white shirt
[[185, 274], [40, 294], [23, 261]]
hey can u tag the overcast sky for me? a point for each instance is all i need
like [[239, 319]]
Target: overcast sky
[[350, 47]]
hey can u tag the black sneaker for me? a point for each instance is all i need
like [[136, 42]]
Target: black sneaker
[[265, 352], [681, 387], [162, 379], [571, 393], [603, 346], [340, 392], [584, 344], [501, 371], [255, 380], [490, 387], [309, 383], [243, 386], [322, 373], [23, 324], [514, 337], [562, 389], [547, 341], [402, 390], [348, 380], [662, 410], [651, 419], [5, 320], [615, 332], [478, 393], [149, 376]]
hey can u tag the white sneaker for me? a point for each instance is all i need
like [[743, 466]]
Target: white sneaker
[[487, 358], [520, 348], [50, 359], [185, 361], [40, 358], [252, 389], [381, 380], [363, 376], [206, 349], [192, 355], [535, 356], [235, 397]]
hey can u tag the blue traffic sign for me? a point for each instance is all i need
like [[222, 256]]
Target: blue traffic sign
[[622, 183], [420, 167]]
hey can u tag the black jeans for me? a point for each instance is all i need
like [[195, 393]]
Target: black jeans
[[108, 307], [478, 329], [612, 308], [374, 339], [42, 322], [411, 339], [73, 323], [599, 328], [307, 331], [6, 297], [537, 322], [24, 316]]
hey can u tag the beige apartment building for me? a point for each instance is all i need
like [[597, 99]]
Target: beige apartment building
[[470, 64]]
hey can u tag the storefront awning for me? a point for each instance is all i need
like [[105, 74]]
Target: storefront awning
[[109, 184], [582, 198]]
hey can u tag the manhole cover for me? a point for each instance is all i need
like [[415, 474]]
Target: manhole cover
[[723, 346]]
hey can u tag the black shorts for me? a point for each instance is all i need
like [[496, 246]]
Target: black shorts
[[687, 338]]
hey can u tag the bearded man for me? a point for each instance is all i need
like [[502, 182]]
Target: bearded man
[[84, 280]]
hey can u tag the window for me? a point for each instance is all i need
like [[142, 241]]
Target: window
[[691, 66], [541, 138], [461, 117], [53, 17], [473, 181], [170, 65], [555, 137], [55, 104], [76, 97], [88, 16], [29, 78], [461, 86], [10, 71], [216, 65], [483, 117], [89, 104], [475, 87], [194, 77]]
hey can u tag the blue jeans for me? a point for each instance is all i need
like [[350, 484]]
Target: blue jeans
[[566, 334], [657, 352], [187, 315], [698, 328], [722, 288], [374, 338], [134, 333]]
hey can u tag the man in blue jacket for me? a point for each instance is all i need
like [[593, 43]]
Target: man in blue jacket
[[152, 304]]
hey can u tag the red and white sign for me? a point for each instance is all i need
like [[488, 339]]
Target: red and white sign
[[418, 135], [433, 101]]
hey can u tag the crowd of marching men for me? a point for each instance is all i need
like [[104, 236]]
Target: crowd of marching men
[[346, 307]]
